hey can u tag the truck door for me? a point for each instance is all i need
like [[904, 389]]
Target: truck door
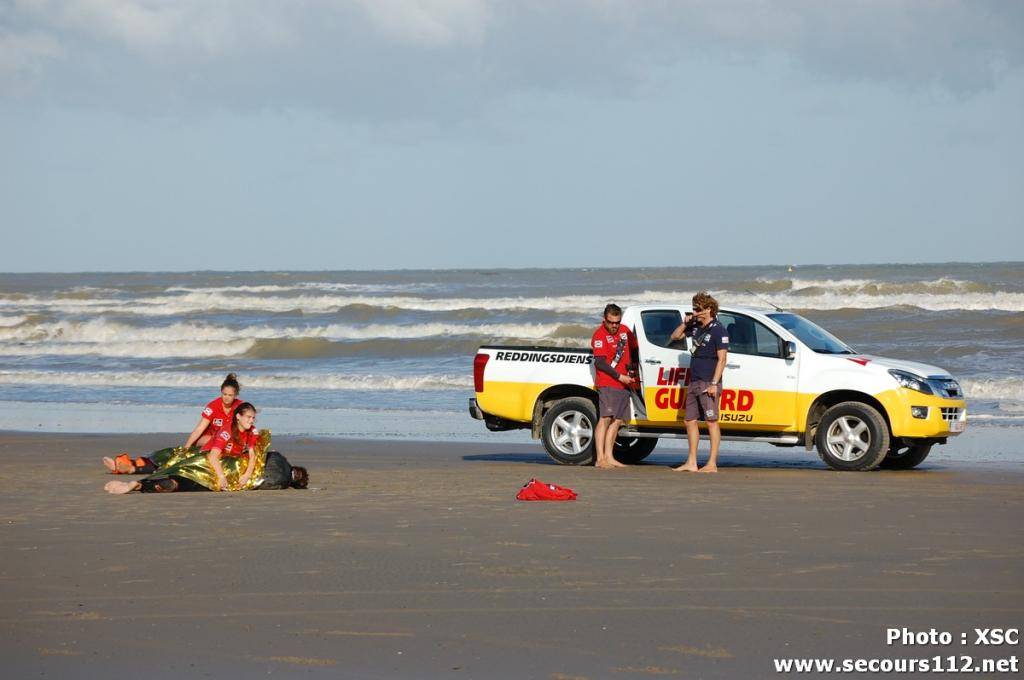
[[759, 385], [663, 366]]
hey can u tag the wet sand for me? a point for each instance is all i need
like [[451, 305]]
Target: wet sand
[[413, 560]]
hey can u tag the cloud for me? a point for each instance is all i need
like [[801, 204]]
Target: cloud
[[23, 57], [429, 23], [424, 59]]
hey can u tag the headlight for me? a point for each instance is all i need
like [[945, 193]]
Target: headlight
[[911, 381]]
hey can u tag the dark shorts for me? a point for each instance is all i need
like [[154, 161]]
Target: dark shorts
[[613, 403], [699, 404]]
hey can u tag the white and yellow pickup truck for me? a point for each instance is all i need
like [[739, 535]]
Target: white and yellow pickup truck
[[788, 382]]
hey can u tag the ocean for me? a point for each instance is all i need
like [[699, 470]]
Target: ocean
[[389, 353]]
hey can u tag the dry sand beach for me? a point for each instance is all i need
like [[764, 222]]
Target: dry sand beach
[[412, 560]]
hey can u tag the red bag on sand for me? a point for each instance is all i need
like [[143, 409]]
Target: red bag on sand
[[536, 490]]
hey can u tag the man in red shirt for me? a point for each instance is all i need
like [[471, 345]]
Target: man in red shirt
[[614, 348]]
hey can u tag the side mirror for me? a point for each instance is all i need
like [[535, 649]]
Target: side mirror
[[788, 349]]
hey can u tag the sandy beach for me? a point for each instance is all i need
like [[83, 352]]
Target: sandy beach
[[409, 559]]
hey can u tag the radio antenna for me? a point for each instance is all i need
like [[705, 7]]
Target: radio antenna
[[766, 301]]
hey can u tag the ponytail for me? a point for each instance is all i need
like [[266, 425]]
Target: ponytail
[[231, 381]]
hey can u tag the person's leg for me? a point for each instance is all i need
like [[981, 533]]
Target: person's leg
[[609, 444], [617, 405], [599, 436], [693, 439], [715, 435], [709, 405], [144, 466], [124, 464], [691, 413], [161, 485]]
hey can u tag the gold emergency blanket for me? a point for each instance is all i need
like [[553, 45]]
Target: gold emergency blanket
[[189, 464], [162, 456]]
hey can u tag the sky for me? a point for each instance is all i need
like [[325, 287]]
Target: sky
[[379, 134]]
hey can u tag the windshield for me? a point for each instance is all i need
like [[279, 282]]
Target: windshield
[[812, 335]]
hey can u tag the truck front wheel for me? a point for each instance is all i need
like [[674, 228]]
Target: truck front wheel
[[568, 431], [904, 456], [852, 436]]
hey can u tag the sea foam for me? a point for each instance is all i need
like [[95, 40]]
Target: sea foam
[[332, 381], [941, 295]]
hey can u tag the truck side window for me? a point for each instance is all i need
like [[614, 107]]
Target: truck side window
[[658, 326], [747, 336]]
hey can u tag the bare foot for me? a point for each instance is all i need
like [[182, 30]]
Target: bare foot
[[118, 466], [617, 464], [711, 467], [120, 487], [685, 467]]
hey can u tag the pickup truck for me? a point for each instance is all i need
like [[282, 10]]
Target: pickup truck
[[788, 382]]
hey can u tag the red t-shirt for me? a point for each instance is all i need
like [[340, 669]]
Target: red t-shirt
[[218, 417], [232, 446], [608, 346]]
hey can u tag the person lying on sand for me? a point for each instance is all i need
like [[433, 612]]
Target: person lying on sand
[[211, 421], [278, 473], [233, 460]]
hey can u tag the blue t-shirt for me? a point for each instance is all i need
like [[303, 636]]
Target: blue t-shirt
[[707, 340]]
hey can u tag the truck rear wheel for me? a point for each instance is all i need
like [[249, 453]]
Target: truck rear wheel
[[852, 436], [903, 456], [632, 450], [567, 431]]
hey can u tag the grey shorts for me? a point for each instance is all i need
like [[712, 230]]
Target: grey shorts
[[613, 403], [699, 404]]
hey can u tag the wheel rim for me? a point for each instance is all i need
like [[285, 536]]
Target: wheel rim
[[849, 438], [571, 432]]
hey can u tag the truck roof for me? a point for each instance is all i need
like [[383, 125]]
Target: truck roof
[[724, 308]]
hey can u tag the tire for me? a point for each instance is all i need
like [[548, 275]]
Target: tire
[[852, 436], [632, 450], [906, 456], [567, 431]]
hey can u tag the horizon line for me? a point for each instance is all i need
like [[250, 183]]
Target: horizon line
[[508, 269]]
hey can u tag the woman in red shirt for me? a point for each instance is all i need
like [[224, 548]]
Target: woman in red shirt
[[236, 441], [213, 418], [232, 460], [217, 413]]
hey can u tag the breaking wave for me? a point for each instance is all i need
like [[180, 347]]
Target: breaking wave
[[941, 295], [940, 286], [344, 381], [110, 338], [305, 287], [102, 330], [994, 389]]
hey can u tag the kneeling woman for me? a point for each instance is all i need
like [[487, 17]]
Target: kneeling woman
[[232, 460], [211, 421]]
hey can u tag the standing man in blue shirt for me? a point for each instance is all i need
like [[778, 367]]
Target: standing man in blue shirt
[[707, 363]]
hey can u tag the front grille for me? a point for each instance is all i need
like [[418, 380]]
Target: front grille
[[945, 387], [951, 414]]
